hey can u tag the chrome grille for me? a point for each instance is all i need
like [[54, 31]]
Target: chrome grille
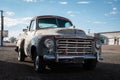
[[73, 46]]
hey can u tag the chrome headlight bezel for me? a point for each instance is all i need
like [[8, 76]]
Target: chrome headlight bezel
[[49, 43], [98, 44]]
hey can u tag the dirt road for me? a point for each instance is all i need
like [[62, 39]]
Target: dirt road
[[11, 69]]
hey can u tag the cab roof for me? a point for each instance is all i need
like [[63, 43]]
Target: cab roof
[[51, 16]]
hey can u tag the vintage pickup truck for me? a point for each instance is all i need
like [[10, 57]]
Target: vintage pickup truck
[[53, 39]]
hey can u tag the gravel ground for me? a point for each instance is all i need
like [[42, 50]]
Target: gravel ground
[[11, 69]]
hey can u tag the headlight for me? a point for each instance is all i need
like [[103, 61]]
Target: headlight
[[49, 43], [97, 44]]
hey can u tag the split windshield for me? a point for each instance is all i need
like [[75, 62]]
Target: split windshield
[[53, 23]]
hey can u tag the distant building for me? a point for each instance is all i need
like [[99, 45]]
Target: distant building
[[111, 38], [108, 38]]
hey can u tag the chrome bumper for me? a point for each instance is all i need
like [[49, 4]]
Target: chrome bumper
[[65, 57]]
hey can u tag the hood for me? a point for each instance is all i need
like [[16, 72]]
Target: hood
[[64, 32]]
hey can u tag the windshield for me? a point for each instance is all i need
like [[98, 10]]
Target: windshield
[[53, 23]]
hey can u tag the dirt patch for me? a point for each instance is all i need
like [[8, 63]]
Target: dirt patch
[[11, 69], [111, 48]]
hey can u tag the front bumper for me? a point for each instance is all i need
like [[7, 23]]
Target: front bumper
[[80, 59]]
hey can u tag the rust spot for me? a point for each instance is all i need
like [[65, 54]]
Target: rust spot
[[64, 52]]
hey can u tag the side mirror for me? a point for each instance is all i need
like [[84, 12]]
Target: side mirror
[[27, 27], [72, 27], [24, 30]]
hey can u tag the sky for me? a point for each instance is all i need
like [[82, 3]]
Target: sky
[[94, 15]]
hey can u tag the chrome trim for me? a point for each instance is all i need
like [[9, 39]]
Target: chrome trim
[[74, 47], [76, 52], [48, 57], [100, 57], [75, 42]]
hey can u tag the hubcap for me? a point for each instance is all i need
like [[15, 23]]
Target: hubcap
[[19, 55], [37, 63]]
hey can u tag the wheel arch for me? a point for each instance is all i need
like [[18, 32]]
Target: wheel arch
[[22, 42]]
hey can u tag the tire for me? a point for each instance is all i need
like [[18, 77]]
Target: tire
[[90, 64], [39, 64], [21, 55]]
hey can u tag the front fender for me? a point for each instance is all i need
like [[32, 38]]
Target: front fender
[[18, 44], [36, 42]]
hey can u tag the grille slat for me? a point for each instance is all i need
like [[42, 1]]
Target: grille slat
[[74, 42], [73, 46]]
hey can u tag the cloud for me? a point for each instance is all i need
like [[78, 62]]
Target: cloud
[[10, 13], [98, 22], [12, 33], [106, 14], [71, 13], [10, 22], [109, 2], [114, 11], [83, 2], [30, 1], [14, 22], [63, 2], [115, 0]]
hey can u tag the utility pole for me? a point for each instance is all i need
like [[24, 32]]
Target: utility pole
[[2, 26]]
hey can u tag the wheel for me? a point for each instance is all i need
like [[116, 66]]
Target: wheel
[[21, 55], [89, 64], [39, 64]]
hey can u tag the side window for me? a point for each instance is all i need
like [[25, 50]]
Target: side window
[[67, 24], [32, 26]]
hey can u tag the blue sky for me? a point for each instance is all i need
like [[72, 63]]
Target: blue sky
[[96, 15]]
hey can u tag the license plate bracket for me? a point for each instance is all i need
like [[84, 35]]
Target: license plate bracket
[[78, 60]]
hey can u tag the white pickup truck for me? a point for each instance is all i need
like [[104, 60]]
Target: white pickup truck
[[53, 39]]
